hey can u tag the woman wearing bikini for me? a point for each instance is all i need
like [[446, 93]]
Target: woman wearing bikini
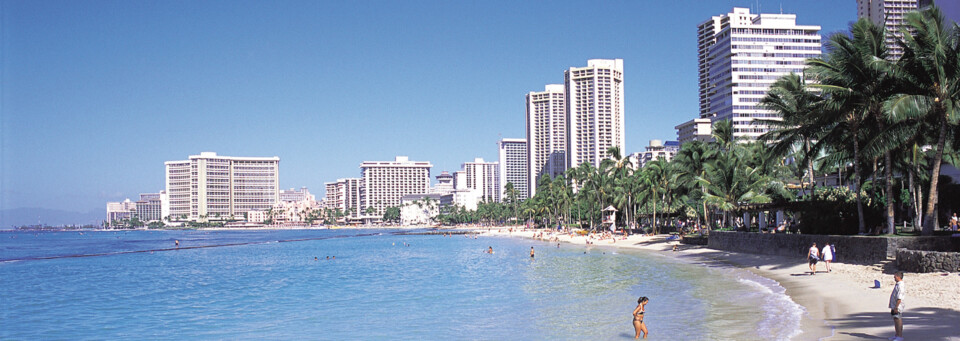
[[638, 318]]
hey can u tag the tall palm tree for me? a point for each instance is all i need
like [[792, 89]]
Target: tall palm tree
[[691, 160], [855, 78], [796, 104], [930, 74], [730, 183]]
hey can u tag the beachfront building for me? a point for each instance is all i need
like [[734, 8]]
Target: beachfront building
[[890, 15], [513, 167], [444, 184], [594, 111], [546, 134], [150, 207], [422, 209], [386, 182], [345, 195], [698, 129], [740, 55], [120, 211], [657, 149], [292, 195], [483, 177], [214, 187]]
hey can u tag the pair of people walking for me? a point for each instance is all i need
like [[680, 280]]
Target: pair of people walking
[[815, 255]]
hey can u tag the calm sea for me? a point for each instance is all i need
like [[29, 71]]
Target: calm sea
[[267, 285]]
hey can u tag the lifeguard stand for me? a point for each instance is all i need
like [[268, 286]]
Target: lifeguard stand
[[609, 220]]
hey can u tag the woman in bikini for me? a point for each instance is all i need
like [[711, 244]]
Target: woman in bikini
[[638, 318]]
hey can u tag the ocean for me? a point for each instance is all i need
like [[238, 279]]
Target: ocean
[[279, 284]]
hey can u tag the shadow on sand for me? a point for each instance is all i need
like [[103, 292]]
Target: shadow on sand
[[918, 324]]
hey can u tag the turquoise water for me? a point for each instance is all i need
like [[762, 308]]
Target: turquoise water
[[380, 286]]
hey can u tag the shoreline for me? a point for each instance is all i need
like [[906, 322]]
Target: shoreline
[[840, 305]]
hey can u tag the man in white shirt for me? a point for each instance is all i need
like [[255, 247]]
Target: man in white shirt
[[896, 306]]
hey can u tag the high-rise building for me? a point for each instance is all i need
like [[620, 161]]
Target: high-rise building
[[594, 114], [513, 167], [483, 178], [546, 134], [297, 195], [346, 195], [149, 207], [209, 186], [890, 15], [741, 55], [119, 211], [386, 182], [697, 129]]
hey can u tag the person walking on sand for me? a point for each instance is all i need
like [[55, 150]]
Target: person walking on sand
[[638, 324], [896, 306], [953, 222], [827, 255], [812, 257]]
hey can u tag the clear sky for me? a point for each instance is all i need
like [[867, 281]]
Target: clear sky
[[96, 95]]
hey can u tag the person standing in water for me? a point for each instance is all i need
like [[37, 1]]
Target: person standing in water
[[638, 324], [531, 252]]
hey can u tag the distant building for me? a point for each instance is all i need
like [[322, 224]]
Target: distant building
[[656, 150], [346, 195], [212, 187], [513, 167], [740, 55], [444, 184], [890, 15], [698, 129], [595, 117], [422, 209], [149, 207], [119, 211], [483, 177], [386, 182], [292, 195], [546, 134]]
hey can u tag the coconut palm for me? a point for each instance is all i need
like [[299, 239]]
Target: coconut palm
[[930, 73], [796, 104]]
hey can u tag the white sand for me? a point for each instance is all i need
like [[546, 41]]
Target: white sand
[[840, 305]]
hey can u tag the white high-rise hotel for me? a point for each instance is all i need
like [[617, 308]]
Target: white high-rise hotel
[[208, 186], [594, 100], [386, 182], [513, 167], [546, 134], [889, 14], [741, 55]]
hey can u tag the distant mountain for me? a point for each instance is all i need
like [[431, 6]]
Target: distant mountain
[[31, 216]]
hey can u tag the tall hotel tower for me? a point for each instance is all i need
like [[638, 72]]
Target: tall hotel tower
[[889, 14], [546, 134], [513, 167], [209, 186], [741, 55], [385, 182], [594, 100]]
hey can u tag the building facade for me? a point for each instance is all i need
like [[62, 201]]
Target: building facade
[[513, 167], [345, 195], [150, 207], [296, 195], [212, 187], [890, 15], [120, 211], [422, 209], [484, 178], [742, 54], [698, 129], [386, 182], [444, 184], [657, 149], [594, 114], [546, 134]]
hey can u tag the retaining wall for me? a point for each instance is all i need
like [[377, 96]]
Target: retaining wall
[[850, 249], [927, 261]]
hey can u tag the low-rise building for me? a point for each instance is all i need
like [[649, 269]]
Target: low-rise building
[[422, 209], [698, 129], [120, 211], [149, 207]]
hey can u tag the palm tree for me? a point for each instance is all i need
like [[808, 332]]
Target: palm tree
[[730, 183], [930, 73], [691, 160], [795, 104]]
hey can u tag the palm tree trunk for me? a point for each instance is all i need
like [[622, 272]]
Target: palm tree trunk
[[888, 166], [856, 179], [813, 180], [929, 218]]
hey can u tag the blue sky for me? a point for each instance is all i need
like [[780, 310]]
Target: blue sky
[[96, 95]]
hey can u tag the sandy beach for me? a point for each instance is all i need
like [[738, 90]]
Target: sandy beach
[[840, 305]]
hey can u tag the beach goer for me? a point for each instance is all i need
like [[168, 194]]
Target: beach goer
[[812, 257], [896, 306], [176, 242], [827, 255], [531, 252], [490, 250], [953, 222], [638, 324]]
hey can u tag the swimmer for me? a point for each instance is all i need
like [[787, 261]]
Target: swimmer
[[334, 257], [490, 250], [638, 324], [315, 259], [328, 257], [558, 245], [177, 243], [531, 252]]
